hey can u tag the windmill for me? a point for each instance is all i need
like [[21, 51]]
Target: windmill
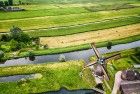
[[100, 63]]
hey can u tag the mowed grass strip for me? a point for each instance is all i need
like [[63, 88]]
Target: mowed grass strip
[[88, 37], [65, 20], [55, 76], [111, 23]]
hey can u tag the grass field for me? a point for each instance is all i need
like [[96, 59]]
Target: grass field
[[73, 1], [66, 26], [89, 37], [56, 10], [63, 20], [42, 13], [59, 21], [69, 30], [54, 77]]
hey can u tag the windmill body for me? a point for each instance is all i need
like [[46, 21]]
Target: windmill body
[[100, 65]]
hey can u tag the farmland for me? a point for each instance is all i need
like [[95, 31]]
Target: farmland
[[89, 37], [53, 27], [66, 74], [72, 26], [64, 20]]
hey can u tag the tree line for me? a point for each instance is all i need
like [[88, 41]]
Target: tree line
[[6, 3]]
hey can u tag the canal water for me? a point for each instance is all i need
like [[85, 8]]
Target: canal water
[[84, 54], [15, 78]]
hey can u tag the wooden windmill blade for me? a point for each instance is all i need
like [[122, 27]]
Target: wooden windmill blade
[[95, 50], [113, 56], [91, 64], [105, 72]]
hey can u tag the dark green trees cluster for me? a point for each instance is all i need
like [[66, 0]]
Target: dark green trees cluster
[[17, 39], [6, 3]]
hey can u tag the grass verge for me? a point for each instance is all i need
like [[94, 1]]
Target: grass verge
[[54, 77]]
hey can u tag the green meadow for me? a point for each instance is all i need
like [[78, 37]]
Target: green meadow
[[65, 20], [68, 30]]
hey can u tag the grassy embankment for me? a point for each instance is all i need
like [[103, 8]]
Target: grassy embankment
[[65, 20], [79, 47], [54, 77], [65, 74]]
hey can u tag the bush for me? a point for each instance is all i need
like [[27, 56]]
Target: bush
[[23, 82], [31, 56], [109, 45], [18, 35], [5, 37], [38, 76], [62, 58], [14, 45], [46, 46], [1, 54]]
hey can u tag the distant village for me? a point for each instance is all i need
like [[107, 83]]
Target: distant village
[[7, 6]]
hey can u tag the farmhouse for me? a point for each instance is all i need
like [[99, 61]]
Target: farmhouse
[[9, 8]]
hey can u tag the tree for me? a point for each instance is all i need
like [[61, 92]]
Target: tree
[[1, 54], [0, 46], [6, 3], [18, 35], [5, 37], [1, 4], [109, 45], [10, 2], [15, 33], [20, 2], [31, 56], [14, 45]]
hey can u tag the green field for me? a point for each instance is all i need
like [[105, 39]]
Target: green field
[[63, 20], [105, 24], [71, 1], [54, 77], [56, 10], [48, 20], [42, 12]]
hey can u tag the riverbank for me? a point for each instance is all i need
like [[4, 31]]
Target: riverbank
[[80, 47], [42, 52], [54, 76]]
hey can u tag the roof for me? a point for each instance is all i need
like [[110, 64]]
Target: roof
[[130, 87]]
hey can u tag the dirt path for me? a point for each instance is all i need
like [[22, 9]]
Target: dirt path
[[93, 36]]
